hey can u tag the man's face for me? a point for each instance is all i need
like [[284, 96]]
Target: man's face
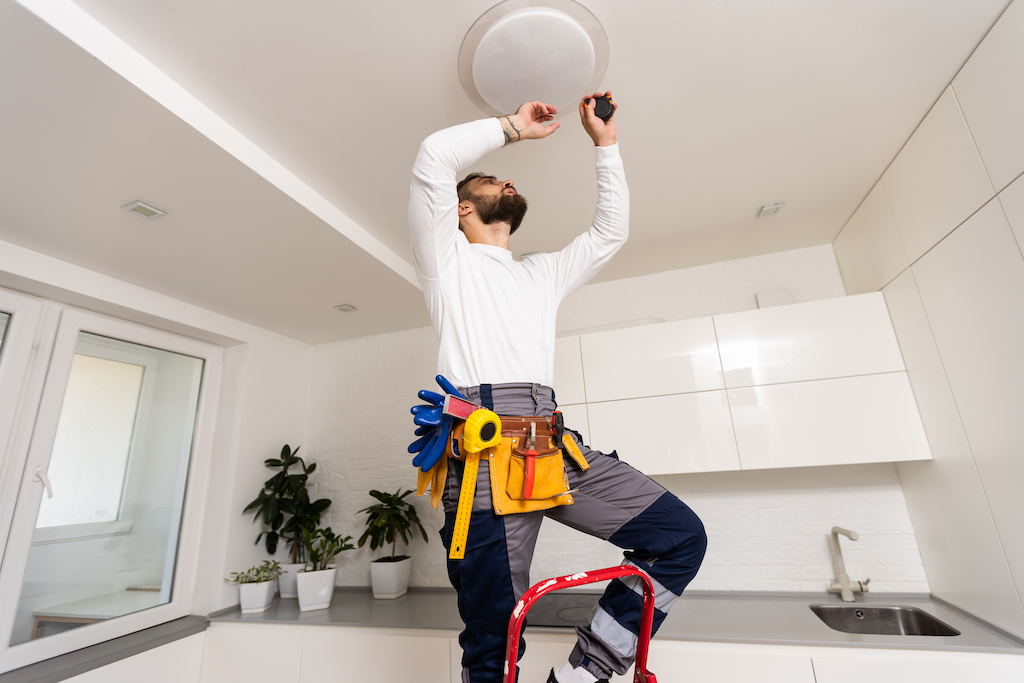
[[497, 201]]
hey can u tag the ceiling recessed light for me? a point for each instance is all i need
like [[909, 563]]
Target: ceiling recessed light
[[770, 209], [345, 308], [143, 209]]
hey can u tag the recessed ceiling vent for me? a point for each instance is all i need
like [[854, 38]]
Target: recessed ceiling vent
[[770, 209], [554, 51], [143, 209]]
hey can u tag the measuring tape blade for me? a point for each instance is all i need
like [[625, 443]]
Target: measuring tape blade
[[466, 496]]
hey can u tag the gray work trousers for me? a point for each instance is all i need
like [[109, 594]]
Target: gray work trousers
[[614, 502]]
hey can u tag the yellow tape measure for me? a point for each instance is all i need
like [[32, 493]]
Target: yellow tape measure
[[466, 496]]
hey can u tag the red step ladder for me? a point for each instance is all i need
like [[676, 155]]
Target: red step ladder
[[515, 624]]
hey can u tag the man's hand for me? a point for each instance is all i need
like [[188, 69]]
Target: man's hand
[[603, 134], [527, 123]]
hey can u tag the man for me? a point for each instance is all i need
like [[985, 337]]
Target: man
[[495, 318]]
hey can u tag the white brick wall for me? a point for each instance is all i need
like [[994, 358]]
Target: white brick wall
[[768, 529]]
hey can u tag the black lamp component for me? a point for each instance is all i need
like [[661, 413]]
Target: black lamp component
[[603, 109]]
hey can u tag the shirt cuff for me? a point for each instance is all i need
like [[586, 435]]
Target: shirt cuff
[[607, 156], [496, 131]]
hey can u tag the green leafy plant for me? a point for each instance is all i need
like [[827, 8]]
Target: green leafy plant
[[322, 546], [284, 505], [388, 520], [268, 571]]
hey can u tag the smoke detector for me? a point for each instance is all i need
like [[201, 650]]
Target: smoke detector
[[554, 51]]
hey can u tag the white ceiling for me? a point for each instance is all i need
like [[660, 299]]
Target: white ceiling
[[725, 105]]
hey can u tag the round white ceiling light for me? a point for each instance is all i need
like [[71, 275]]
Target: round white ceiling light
[[554, 51]]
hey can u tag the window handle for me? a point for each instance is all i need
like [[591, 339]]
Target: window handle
[[39, 474]]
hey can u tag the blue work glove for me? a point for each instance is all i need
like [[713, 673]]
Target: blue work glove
[[433, 426]]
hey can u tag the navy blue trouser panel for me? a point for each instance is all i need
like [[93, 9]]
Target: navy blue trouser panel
[[483, 580]]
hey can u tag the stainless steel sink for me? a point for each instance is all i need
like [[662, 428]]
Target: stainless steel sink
[[894, 621]]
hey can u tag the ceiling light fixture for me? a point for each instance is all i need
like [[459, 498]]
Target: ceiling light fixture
[[345, 308], [143, 209], [770, 209], [554, 51]]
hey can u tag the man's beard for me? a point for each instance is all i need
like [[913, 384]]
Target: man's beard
[[505, 208]]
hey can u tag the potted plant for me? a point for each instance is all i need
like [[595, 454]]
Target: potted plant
[[285, 508], [316, 580], [386, 521], [256, 586]]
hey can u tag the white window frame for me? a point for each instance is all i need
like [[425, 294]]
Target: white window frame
[[23, 358], [120, 525], [12, 570]]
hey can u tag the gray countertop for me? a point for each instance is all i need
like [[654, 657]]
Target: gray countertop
[[711, 616]]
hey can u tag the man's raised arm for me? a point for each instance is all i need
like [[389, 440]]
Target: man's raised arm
[[587, 254], [433, 201]]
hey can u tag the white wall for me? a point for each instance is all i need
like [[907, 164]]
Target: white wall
[[767, 529], [944, 247], [263, 400]]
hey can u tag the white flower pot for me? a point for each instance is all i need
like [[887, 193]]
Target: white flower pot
[[256, 597], [316, 589], [390, 579], [288, 589]]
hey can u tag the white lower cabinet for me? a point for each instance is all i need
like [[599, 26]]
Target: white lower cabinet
[[351, 654], [667, 434], [672, 660], [893, 666], [288, 653], [725, 663]]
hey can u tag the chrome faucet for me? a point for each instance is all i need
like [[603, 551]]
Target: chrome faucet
[[842, 582]]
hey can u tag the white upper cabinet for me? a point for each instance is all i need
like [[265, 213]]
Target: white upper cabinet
[[815, 383], [815, 340], [653, 360], [667, 434], [576, 419], [868, 249], [568, 371], [937, 180], [1012, 200], [990, 93], [828, 422]]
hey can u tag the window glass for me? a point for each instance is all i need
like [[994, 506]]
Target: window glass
[[4, 319], [105, 543], [90, 454]]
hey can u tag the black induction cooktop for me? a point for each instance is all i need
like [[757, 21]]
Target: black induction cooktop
[[562, 609]]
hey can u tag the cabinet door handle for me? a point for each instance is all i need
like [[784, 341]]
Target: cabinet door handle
[[39, 474]]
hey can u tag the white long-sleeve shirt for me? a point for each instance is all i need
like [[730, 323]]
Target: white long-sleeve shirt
[[495, 316]]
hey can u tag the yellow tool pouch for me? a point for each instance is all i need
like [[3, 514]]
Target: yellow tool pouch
[[525, 479]]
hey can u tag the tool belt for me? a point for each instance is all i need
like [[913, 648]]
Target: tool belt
[[526, 477], [527, 471]]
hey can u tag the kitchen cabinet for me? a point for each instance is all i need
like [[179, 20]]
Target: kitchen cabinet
[[937, 180], [879, 666], [652, 360], [868, 249], [872, 418], [569, 371], [814, 340], [667, 434], [252, 653], [988, 89], [375, 655], [576, 418], [814, 383]]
